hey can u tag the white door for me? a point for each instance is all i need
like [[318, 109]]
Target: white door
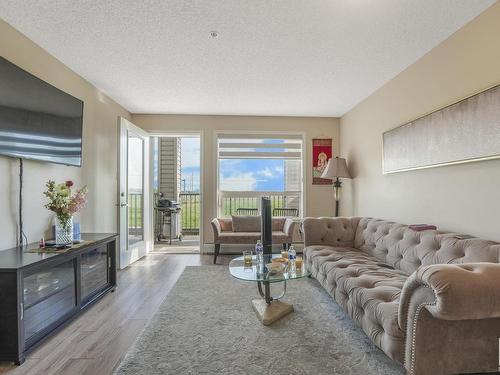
[[134, 194]]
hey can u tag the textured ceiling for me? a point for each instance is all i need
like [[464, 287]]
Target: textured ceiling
[[296, 58]]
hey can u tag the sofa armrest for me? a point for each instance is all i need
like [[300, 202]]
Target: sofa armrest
[[452, 292], [288, 227], [216, 228], [329, 231]]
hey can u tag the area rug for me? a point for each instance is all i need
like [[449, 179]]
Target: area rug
[[206, 325]]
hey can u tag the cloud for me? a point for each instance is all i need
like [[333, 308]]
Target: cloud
[[251, 174], [272, 173], [266, 172], [239, 181], [190, 152]]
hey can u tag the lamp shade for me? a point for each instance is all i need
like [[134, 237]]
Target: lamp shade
[[336, 167]]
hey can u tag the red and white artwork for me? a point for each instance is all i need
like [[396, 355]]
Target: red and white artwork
[[322, 152]]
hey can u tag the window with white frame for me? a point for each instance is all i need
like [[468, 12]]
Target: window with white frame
[[254, 165]]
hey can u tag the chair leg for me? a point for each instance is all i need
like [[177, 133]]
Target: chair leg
[[216, 252]]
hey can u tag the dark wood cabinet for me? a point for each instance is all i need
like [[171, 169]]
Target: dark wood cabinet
[[49, 295], [95, 272], [40, 292]]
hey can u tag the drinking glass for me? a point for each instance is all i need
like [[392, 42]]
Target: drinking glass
[[298, 263], [247, 257]]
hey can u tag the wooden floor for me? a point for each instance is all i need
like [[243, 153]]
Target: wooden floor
[[96, 342], [188, 245]]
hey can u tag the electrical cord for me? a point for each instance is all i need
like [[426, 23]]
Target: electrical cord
[[22, 235]]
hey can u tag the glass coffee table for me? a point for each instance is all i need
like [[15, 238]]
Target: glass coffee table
[[268, 308]]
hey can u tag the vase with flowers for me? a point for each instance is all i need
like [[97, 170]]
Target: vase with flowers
[[64, 203]]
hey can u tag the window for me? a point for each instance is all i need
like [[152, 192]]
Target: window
[[253, 165]]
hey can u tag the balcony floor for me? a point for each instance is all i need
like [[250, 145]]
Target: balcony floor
[[188, 245]]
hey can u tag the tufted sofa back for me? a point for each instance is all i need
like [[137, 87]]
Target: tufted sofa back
[[406, 249], [325, 231]]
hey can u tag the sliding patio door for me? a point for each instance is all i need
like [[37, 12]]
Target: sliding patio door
[[134, 198]]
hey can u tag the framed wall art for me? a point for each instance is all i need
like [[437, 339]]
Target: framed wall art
[[321, 153], [465, 131]]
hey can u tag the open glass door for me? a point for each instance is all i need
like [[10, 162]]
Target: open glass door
[[134, 193]]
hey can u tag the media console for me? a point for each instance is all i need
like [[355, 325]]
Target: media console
[[40, 292]]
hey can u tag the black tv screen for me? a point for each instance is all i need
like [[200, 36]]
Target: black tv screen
[[37, 120]]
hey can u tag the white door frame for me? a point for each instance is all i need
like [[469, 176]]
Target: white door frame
[[129, 253], [187, 134]]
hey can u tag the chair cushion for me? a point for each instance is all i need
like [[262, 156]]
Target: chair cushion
[[249, 237], [367, 290], [242, 223]]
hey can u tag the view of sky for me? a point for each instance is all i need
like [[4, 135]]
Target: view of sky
[[235, 174], [252, 174], [190, 164]]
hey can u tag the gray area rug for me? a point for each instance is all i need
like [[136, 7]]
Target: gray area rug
[[206, 325]]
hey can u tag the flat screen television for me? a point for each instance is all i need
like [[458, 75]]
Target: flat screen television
[[37, 120]]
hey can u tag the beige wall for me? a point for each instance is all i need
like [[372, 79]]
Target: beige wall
[[99, 169], [464, 198], [319, 198]]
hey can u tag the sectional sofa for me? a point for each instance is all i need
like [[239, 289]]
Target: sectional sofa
[[430, 300]]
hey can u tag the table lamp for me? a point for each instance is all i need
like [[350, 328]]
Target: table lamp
[[335, 170]]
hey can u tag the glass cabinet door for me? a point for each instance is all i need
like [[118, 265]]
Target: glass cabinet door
[[48, 296], [94, 270]]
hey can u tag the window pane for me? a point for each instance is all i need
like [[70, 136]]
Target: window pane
[[135, 189], [252, 175], [252, 165]]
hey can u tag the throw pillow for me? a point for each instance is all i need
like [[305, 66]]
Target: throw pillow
[[246, 223]]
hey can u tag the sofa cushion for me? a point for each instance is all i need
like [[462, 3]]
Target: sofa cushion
[[248, 223], [239, 237], [367, 290]]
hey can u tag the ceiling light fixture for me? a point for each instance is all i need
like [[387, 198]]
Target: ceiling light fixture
[[214, 34]]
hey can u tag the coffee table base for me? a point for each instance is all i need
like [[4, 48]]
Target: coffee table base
[[268, 313]]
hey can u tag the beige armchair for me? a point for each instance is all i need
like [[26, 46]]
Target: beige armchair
[[246, 230]]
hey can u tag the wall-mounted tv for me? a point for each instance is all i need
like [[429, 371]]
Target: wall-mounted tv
[[37, 120]]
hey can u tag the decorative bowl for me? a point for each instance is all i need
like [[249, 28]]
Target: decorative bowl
[[279, 260], [275, 268]]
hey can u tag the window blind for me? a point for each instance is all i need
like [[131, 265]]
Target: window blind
[[259, 146]]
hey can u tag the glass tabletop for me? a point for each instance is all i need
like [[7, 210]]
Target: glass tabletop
[[238, 269]]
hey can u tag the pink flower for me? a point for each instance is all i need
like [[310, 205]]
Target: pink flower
[[69, 183]]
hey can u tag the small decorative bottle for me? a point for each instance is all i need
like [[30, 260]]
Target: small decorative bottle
[[292, 254], [259, 251]]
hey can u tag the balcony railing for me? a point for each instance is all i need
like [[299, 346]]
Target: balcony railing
[[230, 201], [190, 203], [135, 225]]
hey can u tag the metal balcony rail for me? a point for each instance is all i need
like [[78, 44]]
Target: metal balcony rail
[[135, 224], [190, 214], [232, 201]]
